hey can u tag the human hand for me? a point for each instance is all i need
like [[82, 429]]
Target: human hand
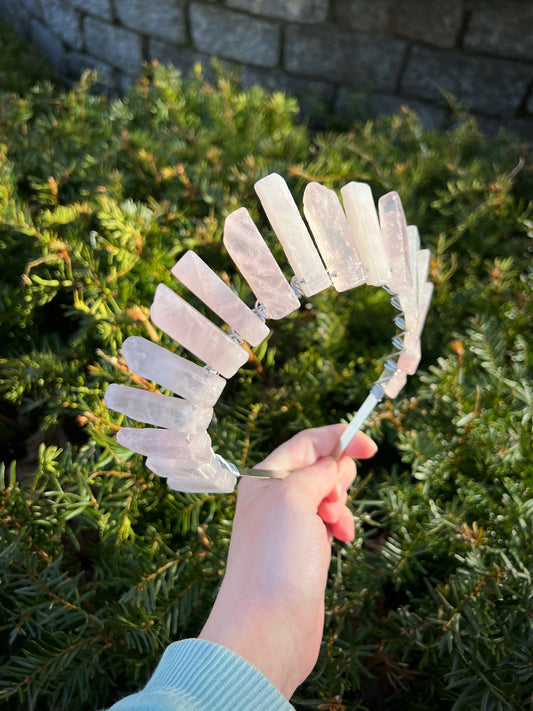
[[270, 608]]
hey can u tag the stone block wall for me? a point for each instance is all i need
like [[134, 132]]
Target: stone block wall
[[395, 52]]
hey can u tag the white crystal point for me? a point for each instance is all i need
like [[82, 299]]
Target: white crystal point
[[423, 259], [198, 478], [165, 443], [156, 409], [290, 229], [364, 225], [196, 333], [426, 292], [333, 237], [409, 299], [172, 372], [393, 386], [197, 276], [254, 260], [394, 231]]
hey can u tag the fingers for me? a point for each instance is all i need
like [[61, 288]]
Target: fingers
[[344, 527], [305, 448], [361, 447]]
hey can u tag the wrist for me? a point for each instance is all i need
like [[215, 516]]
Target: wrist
[[258, 636]]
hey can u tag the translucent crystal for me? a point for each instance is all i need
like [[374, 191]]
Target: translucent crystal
[[166, 443], [194, 477], [393, 386], [197, 276], [410, 358], [195, 332], [426, 292], [422, 264], [394, 231], [172, 372], [254, 260], [291, 231], [157, 409], [364, 225], [333, 237], [409, 299]]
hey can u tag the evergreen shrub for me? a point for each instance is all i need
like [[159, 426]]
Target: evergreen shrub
[[101, 564]]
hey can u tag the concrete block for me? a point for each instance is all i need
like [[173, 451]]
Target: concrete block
[[19, 17], [501, 28], [529, 104], [96, 8], [347, 58], [363, 15], [431, 116], [164, 19], [489, 86], [50, 45], [34, 7], [113, 45], [234, 35], [436, 22], [77, 62], [64, 21], [521, 128], [292, 10], [314, 97], [182, 58]]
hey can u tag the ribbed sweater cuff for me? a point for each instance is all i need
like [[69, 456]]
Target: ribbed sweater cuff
[[198, 675]]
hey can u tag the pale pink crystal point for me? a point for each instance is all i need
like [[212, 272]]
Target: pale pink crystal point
[[197, 276], [254, 260], [196, 333], [426, 292], [423, 259], [394, 231], [156, 409], [395, 384], [166, 443], [410, 358], [333, 237], [409, 299], [183, 377], [194, 477], [364, 225], [290, 229]]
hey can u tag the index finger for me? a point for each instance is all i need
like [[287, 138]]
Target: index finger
[[305, 448]]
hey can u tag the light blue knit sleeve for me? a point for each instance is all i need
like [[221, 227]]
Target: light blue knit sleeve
[[196, 675]]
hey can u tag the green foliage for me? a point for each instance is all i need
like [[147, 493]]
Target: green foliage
[[101, 565]]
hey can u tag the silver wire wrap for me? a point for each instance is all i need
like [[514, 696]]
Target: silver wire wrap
[[259, 311], [295, 286]]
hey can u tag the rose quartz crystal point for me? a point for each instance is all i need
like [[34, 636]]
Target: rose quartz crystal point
[[333, 237], [166, 443], [199, 278], [394, 231], [156, 409], [364, 225], [426, 292], [422, 264], [395, 384], [409, 299], [254, 260], [410, 357], [172, 372], [194, 477], [196, 333], [290, 229]]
